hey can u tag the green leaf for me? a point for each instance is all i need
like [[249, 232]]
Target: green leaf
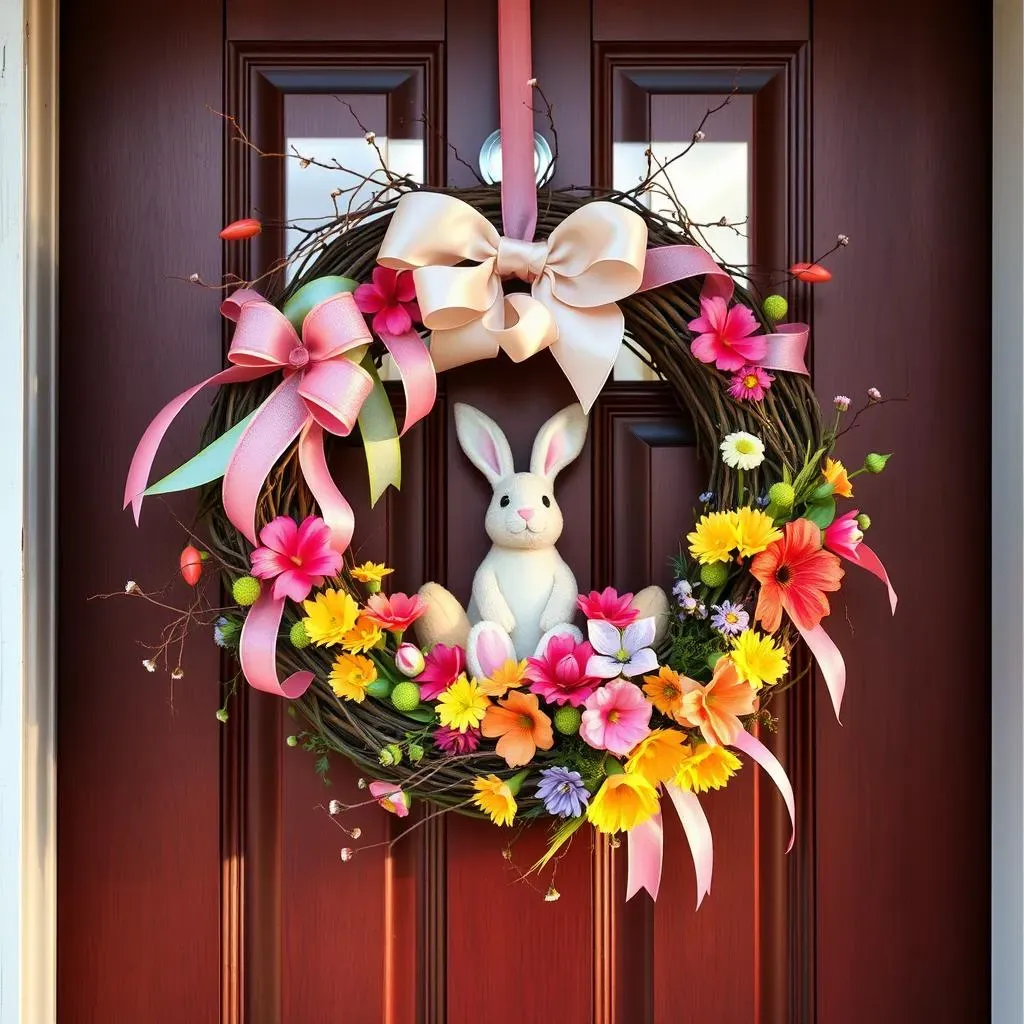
[[822, 513], [209, 465], [420, 714], [809, 471], [562, 835]]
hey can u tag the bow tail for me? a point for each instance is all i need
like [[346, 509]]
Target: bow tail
[[830, 661], [867, 559], [667, 264], [754, 748], [145, 452], [257, 650], [645, 846], [419, 381], [334, 508], [264, 441], [698, 835], [785, 349], [588, 344]]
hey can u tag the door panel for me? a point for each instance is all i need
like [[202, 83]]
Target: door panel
[[190, 844]]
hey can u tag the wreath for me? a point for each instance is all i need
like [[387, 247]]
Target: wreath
[[506, 707]]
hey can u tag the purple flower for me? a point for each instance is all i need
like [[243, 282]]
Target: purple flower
[[730, 619], [706, 496], [682, 590], [563, 792], [451, 741], [625, 652]]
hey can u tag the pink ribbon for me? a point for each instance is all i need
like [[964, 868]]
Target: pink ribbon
[[257, 650], [515, 111], [755, 749], [867, 559], [830, 661], [645, 847]]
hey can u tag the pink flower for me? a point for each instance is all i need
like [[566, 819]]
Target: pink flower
[[390, 797], [723, 335], [617, 717], [750, 384], [608, 605], [397, 612], [298, 556], [392, 300], [844, 536], [560, 676], [451, 741], [444, 665]]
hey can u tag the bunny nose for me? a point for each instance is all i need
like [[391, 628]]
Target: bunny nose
[[525, 513]]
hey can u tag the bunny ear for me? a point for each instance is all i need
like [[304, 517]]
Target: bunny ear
[[483, 441], [559, 441]]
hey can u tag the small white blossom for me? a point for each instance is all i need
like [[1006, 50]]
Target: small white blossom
[[841, 402], [371, 137], [699, 136], [874, 394], [532, 83], [149, 665], [843, 239], [334, 807], [131, 587]]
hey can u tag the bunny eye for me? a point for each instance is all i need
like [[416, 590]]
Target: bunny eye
[[547, 501], [504, 501]]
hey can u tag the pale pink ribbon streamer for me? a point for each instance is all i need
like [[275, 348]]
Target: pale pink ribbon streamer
[[867, 559], [645, 846], [830, 661], [257, 650], [755, 749]]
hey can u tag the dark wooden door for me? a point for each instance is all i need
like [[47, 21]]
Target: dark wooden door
[[198, 880]]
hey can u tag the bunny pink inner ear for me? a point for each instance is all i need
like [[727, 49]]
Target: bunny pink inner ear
[[493, 648], [556, 451], [489, 451]]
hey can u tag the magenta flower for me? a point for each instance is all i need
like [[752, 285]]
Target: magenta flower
[[391, 298], [560, 675], [750, 383], [608, 605], [844, 536], [443, 666], [297, 558], [451, 741], [390, 797], [723, 335], [617, 717]]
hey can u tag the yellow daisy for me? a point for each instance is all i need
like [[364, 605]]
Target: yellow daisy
[[462, 705], [714, 537], [329, 617], [707, 766], [759, 660], [658, 756], [754, 531], [509, 676], [836, 475], [622, 802], [370, 572], [665, 691], [350, 675], [494, 797], [363, 636]]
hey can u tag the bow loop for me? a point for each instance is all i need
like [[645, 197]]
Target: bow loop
[[451, 297], [334, 392], [333, 328], [263, 338]]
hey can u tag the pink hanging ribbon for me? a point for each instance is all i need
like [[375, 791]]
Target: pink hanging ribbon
[[645, 846], [755, 749], [867, 559], [257, 650]]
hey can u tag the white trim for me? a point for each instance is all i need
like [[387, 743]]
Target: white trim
[[12, 348], [39, 817], [1008, 512]]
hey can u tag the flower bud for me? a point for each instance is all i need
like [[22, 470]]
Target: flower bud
[[390, 755], [775, 308], [222, 714], [864, 521], [292, 741], [714, 575], [334, 807], [246, 590], [409, 660], [567, 720], [782, 496], [298, 636], [875, 463], [405, 696], [347, 853], [416, 753]]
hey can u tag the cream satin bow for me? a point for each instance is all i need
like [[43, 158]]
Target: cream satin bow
[[592, 259]]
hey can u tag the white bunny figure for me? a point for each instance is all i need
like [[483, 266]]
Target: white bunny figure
[[523, 591]]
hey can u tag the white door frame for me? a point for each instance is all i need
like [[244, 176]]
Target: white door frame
[[28, 283]]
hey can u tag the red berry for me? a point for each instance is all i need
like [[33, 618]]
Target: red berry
[[239, 230], [812, 273], [191, 563]]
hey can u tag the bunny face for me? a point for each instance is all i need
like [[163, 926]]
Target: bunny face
[[523, 513]]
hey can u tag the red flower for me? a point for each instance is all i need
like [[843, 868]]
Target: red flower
[[609, 605], [795, 573], [397, 612], [560, 676], [444, 665], [392, 299]]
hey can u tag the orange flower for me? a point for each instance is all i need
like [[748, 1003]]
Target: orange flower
[[836, 475], [521, 726], [665, 691], [794, 574], [714, 709]]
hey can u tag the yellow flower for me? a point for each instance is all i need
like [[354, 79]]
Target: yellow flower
[[363, 636], [494, 797], [508, 677], [707, 766], [836, 475], [623, 801], [329, 617], [714, 537], [658, 756], [370, 572], [350, 675], [754, 531], [758, 659], [665, 691], [462, 705]]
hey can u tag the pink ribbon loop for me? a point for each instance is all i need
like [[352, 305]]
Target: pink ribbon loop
[[419, 381], [257, 650], [756, 750]]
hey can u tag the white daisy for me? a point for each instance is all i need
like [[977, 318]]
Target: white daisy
[[742, 450]]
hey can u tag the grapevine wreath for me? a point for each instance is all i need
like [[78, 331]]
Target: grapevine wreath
[[508, 708]]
